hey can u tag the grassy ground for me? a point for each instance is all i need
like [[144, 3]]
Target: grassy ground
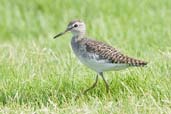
[[41, 75]]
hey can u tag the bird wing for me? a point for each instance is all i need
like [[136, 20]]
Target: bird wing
[[107, 52]]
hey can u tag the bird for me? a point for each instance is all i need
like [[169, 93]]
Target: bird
[[97, 55]]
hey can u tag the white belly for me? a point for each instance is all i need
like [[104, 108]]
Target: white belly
[[102, 65]]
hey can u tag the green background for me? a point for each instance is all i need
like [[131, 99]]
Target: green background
[[42, 75]]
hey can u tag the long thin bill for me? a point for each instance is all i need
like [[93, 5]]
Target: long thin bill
[[68, 29], [59, 34]]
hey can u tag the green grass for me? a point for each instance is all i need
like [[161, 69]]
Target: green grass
[[41, 75]]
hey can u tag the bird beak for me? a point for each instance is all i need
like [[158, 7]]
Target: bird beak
[[62, 33]]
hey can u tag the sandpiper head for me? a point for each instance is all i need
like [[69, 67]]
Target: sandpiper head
[[76, 27]]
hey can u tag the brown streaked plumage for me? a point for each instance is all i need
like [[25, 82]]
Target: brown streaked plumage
[[113, 55], [97, 55]]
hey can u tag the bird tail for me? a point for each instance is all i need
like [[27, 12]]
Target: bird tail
[[136, 62]]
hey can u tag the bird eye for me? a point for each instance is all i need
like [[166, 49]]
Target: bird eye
[[75, 25]]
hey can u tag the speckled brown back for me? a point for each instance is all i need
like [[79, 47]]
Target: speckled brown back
[[108, 52]]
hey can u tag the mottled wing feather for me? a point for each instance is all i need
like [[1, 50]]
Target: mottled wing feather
[[109, 53]]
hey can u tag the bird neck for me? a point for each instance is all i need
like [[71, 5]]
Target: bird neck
[[78, 34], [77, 37]]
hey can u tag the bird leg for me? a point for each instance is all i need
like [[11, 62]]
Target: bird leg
[[107, 86], [94, 85]]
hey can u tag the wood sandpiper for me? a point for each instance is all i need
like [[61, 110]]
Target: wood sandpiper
[[97, 55]]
